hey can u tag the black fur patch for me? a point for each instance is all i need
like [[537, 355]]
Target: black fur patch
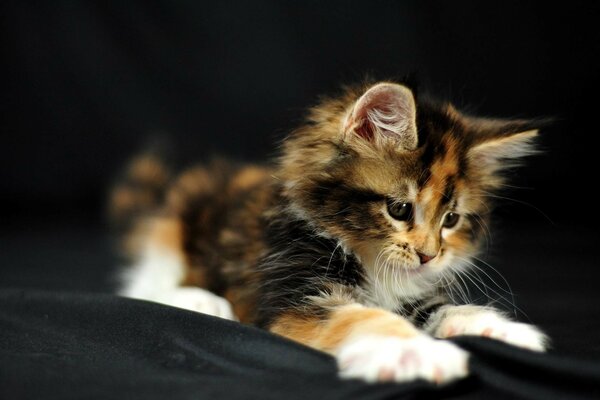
[[300, 264], [419, 311]]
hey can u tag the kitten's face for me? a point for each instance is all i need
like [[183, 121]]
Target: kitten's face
[[405, 194], [410, 218]]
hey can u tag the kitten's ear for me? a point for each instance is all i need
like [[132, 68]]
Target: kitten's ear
[[385, 111], [498, 144]]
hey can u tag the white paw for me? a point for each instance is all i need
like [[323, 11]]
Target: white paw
[[199, 300], [494, 326], [386, 358]]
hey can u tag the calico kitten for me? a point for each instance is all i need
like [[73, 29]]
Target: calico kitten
[[345, 242]]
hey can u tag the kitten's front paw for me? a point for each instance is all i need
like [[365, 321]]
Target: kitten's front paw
[[199, 300], [385, 358], [496, 327]]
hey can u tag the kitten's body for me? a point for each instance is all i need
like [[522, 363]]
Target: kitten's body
[[318, 248]]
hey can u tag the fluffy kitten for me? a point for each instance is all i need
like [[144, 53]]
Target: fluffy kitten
[[344, 243]]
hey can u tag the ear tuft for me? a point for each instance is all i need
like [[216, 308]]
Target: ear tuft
[[385, 111], [500, 152]]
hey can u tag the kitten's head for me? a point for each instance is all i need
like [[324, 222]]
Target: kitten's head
[[403, 185]]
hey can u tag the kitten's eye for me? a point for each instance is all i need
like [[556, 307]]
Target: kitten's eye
[[450, 220], [399, 211]]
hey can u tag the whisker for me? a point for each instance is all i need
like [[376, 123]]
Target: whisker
[[331, 257], [486, 230], [495, 196], [509, 292]]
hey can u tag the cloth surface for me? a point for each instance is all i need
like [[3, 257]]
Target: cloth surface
[[67, 345], [62, 335]]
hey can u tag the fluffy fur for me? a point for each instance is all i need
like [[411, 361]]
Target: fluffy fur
[[345, 243]]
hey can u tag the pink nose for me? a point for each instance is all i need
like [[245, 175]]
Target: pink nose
[[424, 257]]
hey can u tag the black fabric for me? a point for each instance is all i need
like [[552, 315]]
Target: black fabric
[[58, 345]]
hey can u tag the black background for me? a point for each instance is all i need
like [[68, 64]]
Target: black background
[[85, 84]]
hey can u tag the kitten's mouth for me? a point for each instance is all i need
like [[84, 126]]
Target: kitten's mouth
[[415, 270]]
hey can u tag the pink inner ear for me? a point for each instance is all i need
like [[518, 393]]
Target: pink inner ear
[[381, 102], [365, 130], [383, 97], [386, 109]]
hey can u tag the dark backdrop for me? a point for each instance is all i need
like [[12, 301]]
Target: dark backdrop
[[84, 85]]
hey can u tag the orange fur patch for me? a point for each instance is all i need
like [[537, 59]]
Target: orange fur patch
[[243, 305], [148, 169], [191, 184], [247, 178], [347, 321], [167, 232]]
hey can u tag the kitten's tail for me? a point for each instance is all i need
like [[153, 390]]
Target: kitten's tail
[[138, 194]]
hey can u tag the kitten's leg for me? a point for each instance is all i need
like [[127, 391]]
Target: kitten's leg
[[158, 275], [484, 321], [375, 345]]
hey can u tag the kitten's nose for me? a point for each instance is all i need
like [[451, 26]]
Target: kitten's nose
[[424, 257]]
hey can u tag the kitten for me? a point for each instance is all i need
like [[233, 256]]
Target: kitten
[[344, 243]]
